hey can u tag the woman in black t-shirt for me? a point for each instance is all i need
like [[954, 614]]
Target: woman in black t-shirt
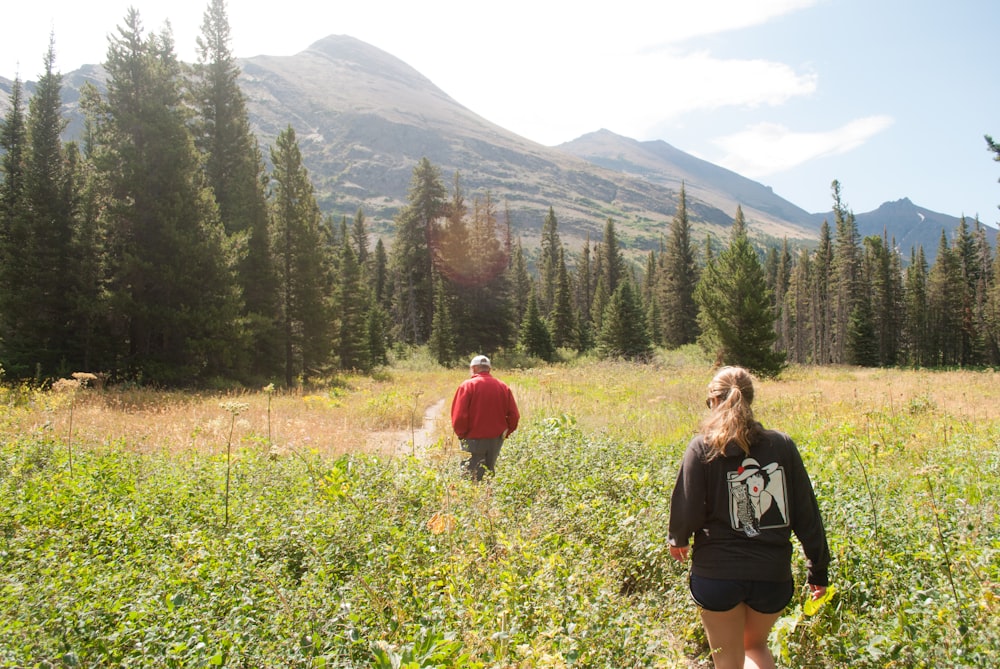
[[742, 491]]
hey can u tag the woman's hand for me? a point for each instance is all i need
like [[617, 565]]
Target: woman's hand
[[817, 591], [679, 553]]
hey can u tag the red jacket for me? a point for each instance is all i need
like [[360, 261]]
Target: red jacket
[[483, 408]]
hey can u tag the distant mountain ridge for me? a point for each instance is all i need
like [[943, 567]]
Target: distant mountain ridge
[[912, 227], [364, 118], [902, 222], [659, 162]]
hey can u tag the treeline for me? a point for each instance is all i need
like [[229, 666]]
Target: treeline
[[159, 248]]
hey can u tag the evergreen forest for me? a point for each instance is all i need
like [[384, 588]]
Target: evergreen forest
[[167, 247]]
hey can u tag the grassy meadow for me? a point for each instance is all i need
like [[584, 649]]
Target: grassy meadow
[[331, 528]]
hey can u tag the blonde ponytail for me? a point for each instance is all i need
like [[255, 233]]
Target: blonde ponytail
[[730, 419]]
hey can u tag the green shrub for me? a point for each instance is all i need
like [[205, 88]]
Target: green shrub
[[559, 560]]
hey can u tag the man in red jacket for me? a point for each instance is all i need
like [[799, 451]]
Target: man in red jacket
[[483, 414]]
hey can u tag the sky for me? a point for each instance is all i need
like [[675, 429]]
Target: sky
[[892, 98]]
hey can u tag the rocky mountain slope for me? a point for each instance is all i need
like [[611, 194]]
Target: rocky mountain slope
[[364, 119]]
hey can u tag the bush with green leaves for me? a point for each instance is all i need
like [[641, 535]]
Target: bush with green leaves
[[129, 561], [560, 560]]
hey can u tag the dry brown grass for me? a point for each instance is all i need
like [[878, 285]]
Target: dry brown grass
[[662, 402], [853, 395], [334, 420]]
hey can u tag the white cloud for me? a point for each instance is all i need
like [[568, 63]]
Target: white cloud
[[634, 95], [769, 148], [671, 22], [552, 71]]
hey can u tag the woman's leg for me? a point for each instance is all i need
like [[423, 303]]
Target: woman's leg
[[738, 637], [756, 629], [725, 635]]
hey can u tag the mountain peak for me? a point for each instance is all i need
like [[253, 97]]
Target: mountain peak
[[902, 203], [365, 118], [367, 59]]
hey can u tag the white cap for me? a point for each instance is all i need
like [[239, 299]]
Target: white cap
[[480, 361]]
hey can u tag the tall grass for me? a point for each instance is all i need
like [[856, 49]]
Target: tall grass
[[188, 534]]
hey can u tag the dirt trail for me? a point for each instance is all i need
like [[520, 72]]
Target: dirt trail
[[416, 441]]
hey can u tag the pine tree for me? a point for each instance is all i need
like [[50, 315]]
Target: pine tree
[[612, 261], [862, 340], [653, 320], [600, 303], [353, 343], [584, 285], [13, 234], [586, 338], [916, 319], [302, 263], [650, 277], [90, 307], [736, 317], [535, 338], [377, 330], [173, 299], [882, 288], [549, 262], [455, 259], [609, 267], [359, 237], [451, 250], [678, 280], [994, 148], [487, 298], [991, 312], [945, 287], [651, 300], [624, 332], [40, 270], [234, 169], [410, 265], [521, 284], [862, 345], [13, 141], [821, 313], [562, 324], [779, 285], [968, 250], [380, 276], [442, 339], [845, 268], [983, 279], [771, 262], [797, 310], [892, 307], [49, 272]]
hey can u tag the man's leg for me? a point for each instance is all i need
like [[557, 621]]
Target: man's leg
[[483, 456], [475, 465], [493, 452], [478, 453]]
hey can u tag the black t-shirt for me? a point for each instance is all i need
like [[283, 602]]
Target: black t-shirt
[[742, 509]]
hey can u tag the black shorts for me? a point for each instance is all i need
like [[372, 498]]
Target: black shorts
[[716, 594]]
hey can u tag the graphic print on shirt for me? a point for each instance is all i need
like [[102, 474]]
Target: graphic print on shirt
[[757, 497]]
